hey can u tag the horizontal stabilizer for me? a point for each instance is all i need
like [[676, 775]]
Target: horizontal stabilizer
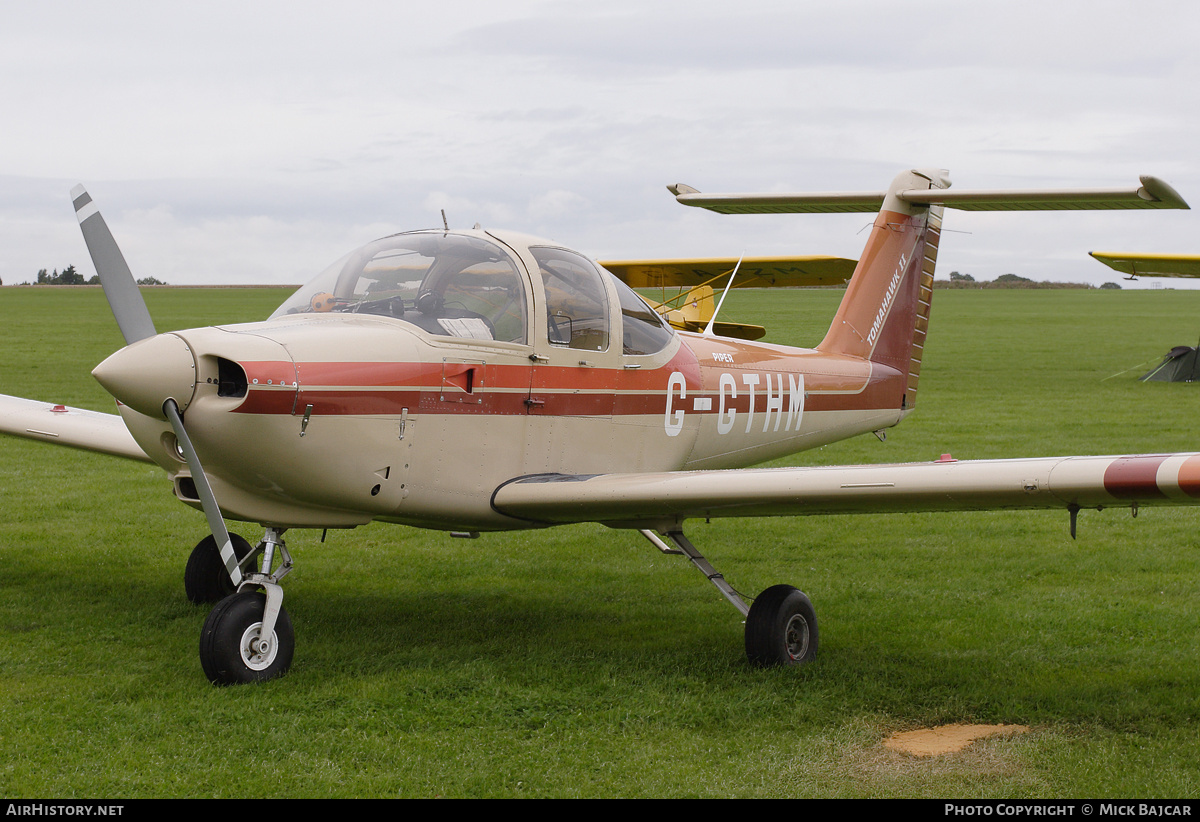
[[1152, 193], [74, 427], [1158, 265]]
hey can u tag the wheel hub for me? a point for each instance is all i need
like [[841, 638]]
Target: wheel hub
[[258, 653], [796, 636]]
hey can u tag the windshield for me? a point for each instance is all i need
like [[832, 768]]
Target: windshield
[[450, 285]]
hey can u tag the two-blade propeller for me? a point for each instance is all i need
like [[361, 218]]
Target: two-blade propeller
[[133, 318]]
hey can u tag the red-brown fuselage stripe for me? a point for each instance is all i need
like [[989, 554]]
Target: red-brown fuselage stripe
[[377, 388]]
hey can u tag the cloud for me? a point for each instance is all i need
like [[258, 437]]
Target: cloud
[[294, 128]]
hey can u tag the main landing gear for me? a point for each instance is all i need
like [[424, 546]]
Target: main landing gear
[[248, 636], [781, 625]]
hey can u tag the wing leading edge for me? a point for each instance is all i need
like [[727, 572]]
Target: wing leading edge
[[74, 427], [664, 500]]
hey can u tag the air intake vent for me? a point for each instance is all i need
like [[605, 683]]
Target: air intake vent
[[231, 379], [185, 489]]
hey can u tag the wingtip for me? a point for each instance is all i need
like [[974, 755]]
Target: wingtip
[[1155, 189]]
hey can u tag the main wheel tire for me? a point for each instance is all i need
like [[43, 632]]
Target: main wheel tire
[[781, 628], [230, 648], [205, 579]]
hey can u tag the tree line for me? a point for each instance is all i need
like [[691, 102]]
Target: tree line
[[69, 276], [958, 280]]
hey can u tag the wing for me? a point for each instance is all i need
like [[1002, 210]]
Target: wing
[[755, 272], [1158, 265], [695, 278], [75, 427], [662, 501]]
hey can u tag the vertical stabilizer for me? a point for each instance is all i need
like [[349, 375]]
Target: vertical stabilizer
[[884, 314]]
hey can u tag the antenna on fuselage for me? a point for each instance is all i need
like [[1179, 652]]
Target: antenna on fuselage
[[445, 224], [708, 331]]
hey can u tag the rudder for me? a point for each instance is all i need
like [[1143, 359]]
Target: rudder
[[884, 315]]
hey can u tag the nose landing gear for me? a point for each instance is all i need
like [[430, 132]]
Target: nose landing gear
[[248, 636], [235, 649]]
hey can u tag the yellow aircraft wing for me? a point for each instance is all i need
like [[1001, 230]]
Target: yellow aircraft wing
[[1157, 265], [755, 272]]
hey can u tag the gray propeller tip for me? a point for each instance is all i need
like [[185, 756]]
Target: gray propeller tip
[[82, 202]]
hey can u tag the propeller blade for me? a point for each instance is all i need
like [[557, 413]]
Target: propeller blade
[[216, 522], [133, 318]]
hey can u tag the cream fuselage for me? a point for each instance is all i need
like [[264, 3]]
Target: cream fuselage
[[351, 418]]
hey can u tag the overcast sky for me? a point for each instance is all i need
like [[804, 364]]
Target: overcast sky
[[255, 142]]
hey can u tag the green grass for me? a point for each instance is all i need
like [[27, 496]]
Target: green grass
[[579, 661]]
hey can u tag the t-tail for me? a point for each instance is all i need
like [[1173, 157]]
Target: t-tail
[[884, 315]]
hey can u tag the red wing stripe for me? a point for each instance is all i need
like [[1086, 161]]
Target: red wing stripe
[[1134, 477], [1189, 476]]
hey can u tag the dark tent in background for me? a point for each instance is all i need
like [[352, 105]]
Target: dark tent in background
[[1178, 366]]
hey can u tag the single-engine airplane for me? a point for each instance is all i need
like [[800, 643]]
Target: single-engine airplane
[[486, 381]]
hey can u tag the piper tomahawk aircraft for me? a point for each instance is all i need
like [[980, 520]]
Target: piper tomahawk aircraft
[[487, 381]]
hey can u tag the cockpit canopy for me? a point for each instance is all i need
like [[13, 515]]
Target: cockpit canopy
[[450, 285], [465, 286]]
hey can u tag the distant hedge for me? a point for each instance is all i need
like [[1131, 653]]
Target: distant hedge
[[1007, 281]]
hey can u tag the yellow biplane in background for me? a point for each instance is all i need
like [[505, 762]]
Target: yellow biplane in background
[[692, 306]]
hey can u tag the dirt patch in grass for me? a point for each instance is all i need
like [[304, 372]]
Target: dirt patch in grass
[[946, 738]]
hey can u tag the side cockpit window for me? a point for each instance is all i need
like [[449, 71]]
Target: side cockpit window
[[576, 301], [643, 331], [448, 285]]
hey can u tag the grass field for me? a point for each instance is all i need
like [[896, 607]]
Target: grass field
[[579, 661]]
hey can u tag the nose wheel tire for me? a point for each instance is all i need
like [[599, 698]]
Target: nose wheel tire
[[232, 648], [781, 628], [205, 578]]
